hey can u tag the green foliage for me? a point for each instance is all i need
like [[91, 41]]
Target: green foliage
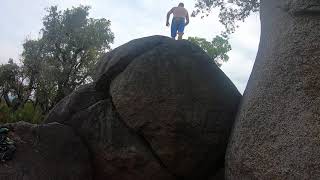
[[64, 56], [27, 113], [231, 11], [55, 64], [8, 73], [13, 84], [217, 49]]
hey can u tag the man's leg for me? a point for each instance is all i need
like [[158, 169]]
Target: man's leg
[[181, 30], [180, 34], [174, 29]]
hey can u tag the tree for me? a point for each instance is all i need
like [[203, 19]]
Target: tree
[[14, 88], [64, 56], [231, 11], [8, 80], [16, 99], [217, 49]]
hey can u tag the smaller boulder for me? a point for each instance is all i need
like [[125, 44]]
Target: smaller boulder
[[50, 151], [117, 152], [78, 100]]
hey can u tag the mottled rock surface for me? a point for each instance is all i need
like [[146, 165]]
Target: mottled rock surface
[[161, 110], [182, 104], [50, 151], [276, 134]]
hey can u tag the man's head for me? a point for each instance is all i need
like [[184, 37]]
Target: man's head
[[181, 5]]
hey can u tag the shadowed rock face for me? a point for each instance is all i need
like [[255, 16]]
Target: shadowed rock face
[[276, 134], [180, 103], [158, 109], [50, 151], [117, 152]]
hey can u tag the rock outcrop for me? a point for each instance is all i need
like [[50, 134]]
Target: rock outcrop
[[50, 151], [180, 103], [157, 109], [276, 134]]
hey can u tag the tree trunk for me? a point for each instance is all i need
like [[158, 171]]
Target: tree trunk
[[6, 99], [277, 131], [60, 93]]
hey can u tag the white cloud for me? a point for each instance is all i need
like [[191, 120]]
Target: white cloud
[[130, 19]]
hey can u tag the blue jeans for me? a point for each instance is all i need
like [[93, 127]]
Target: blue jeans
[[177, 25]]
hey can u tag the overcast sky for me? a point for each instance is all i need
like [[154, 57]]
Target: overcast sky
[[130, 19]]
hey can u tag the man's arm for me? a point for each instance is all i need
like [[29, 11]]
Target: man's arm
[[168, 16], [187, 19]]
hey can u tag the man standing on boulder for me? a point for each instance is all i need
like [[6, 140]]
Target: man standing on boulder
[[179, 21]]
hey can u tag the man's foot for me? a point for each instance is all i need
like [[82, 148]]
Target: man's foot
[[180, 36]]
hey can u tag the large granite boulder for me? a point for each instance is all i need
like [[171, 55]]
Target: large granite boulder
[[276, 134], [50, 151], [181, 103], [161, 110]]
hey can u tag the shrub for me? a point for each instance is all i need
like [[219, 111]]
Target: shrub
[[27, 113]]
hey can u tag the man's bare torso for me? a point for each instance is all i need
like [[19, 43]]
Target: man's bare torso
[[179, 12]]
